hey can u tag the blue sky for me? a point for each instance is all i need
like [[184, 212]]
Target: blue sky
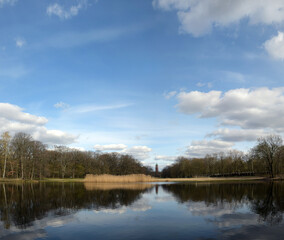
[[152, 78]]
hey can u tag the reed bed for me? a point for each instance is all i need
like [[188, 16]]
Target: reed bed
[[106, 178], [90, 186]]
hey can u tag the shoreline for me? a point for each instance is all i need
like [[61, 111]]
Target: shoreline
[[157, 180]]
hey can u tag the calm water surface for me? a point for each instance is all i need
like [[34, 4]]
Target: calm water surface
[[142, 211]]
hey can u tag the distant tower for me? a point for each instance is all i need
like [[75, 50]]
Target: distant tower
[[157, 170]]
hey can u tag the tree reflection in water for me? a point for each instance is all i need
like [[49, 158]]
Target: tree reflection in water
[[270, 206], [22, 204], [264, 199], [227, 205]]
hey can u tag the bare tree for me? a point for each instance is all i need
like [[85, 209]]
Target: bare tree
[[5, 144], [268, 150], [21, 143]]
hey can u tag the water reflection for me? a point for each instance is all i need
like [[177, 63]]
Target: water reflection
[[142, 211], [264, 199], [22, 204]]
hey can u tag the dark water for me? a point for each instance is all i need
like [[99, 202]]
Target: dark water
[[142, 211]]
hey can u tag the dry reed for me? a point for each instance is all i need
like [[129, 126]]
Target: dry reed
[[106, 178]]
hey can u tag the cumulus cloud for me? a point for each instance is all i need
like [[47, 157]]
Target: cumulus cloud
[[204, 147], [195, 101], [110, 147], [275, 46], [15, 113], [64, 12], [14, 119], [139, 152], [246, 108], [198, 17], [238, 135], [247, 113]]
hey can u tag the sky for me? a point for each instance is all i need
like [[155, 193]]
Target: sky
[[155, 79]]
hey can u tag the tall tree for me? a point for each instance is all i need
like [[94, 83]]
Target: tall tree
[[5, 144], [21, 144], [268, 150]]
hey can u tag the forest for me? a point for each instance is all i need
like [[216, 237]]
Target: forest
[[23, 157], [266, 158]]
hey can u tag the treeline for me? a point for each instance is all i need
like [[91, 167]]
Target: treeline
[[266, 158], [23, 157]]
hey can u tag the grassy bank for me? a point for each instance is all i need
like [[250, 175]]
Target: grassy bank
[[19, 180], [211, 179]]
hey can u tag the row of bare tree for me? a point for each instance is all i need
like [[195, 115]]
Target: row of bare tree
[[265, 158], [23, 157]]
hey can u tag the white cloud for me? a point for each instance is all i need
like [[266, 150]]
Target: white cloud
[[61, 105], [166, 158], [247, 113], [198, 17], [9, 2], [15, 113], [110, 147], [195, 101], [275, 46], [20, 42], [246, 108], [138, 152], [238, 135], [203, 147], [13, 119], [63, 12]]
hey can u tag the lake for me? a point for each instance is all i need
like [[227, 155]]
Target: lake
[[251, 210]]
